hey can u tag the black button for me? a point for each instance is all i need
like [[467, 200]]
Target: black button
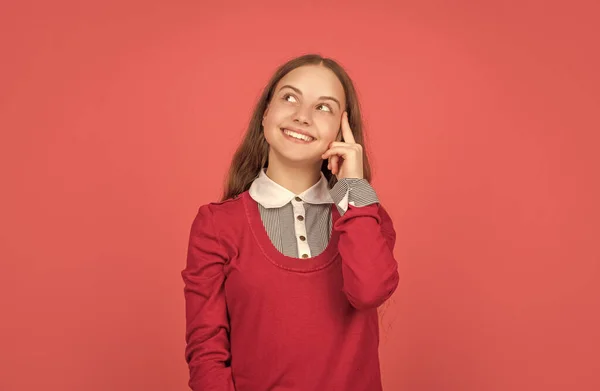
[[302, 238], [298, 199], [300, 218], [304, 255]]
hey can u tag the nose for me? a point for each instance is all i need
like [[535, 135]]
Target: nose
[[302, 116]]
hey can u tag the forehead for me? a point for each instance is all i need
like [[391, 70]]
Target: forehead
[[314, 81]]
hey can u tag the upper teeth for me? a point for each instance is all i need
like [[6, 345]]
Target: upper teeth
[[297, 135]]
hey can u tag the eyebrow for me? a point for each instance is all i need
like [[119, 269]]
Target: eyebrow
[[321, 97]]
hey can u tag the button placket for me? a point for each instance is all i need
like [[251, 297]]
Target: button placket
[[300, 227]]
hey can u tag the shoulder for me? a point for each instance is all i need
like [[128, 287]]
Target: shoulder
[[223, 222], [223, 213]]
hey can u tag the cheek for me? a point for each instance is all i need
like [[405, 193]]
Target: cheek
[[328, 129], [271, 124], [274, 117]]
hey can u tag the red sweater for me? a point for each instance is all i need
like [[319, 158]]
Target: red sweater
[[258, 320]]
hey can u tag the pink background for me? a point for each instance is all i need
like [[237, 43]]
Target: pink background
[[119, 119]]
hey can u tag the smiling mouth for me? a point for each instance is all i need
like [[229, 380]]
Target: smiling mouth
[[297, 136]]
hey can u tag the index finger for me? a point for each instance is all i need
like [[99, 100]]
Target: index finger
[[346, 131]]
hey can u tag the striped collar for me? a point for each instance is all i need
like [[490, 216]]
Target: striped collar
[[270, 194]]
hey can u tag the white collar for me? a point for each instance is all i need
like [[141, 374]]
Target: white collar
[[270, 194]]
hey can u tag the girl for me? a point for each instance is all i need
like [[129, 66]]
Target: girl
[[285, 274]]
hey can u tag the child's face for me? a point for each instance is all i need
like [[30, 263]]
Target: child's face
[[309, 99]]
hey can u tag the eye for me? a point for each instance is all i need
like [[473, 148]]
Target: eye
[[287, 98], [326, 107]]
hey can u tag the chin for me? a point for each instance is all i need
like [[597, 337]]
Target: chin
[[297, 156]]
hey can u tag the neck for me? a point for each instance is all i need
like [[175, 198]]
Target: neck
[[294, 177]]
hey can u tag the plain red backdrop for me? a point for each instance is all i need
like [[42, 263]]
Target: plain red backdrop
[[119, 119]]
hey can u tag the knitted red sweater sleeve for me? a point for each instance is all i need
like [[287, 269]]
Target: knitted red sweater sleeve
[[207, 326], [366, 245]]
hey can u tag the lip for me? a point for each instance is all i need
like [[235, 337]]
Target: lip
[[298, 131]]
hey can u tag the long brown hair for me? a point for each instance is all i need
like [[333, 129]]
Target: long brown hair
[[252, 154]]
